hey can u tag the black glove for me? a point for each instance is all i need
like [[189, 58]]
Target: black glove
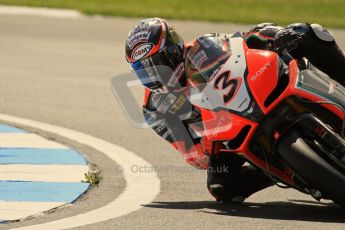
[[287, 39]]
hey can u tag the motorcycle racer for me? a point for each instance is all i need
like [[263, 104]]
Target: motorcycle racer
[[154, 42]]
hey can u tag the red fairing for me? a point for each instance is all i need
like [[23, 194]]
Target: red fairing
[[262, 74], [193, 156], [223, 125], [219, 133]]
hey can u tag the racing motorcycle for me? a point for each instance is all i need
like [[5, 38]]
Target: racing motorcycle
[[286, 116]]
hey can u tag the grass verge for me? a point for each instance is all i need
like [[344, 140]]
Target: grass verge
[[326, 12]]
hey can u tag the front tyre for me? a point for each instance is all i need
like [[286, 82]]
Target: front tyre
[[306, 160]]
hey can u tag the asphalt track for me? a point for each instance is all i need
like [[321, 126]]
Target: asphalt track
[[58, 71]]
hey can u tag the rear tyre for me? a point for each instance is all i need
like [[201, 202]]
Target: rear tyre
[[306, 161]]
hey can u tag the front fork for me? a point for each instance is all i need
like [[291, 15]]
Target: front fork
[[294, 115], [333, 143]]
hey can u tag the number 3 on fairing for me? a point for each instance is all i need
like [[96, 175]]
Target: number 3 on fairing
[[233, 85]]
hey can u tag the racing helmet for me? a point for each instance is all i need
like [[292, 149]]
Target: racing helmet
[[152, 47], [206, 57]]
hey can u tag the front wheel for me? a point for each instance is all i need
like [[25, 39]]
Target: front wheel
[[306, 159]]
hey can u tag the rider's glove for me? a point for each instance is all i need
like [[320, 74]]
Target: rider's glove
[[286, 39]]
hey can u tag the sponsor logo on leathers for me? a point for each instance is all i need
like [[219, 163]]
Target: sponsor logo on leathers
[[176, 75], [178, 104]]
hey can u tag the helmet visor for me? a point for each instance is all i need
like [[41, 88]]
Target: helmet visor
[[156, 71]]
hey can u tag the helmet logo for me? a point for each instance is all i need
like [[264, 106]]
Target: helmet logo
[[193, 49], [138, 37], [199, 58], [141, 51]]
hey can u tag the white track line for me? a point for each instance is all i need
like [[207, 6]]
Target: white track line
[[27, 140], [46, 173], [19, 210], [141, 188], [46, 12]]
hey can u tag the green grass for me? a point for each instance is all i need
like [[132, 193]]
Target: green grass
[[93, 178], [326, 12]]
